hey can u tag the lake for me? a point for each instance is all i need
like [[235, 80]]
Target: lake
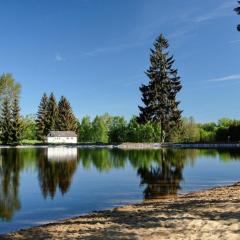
[[38, 185]]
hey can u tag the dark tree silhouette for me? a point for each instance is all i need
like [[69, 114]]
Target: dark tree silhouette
[[52, 113], [6, 122], [42, 118], [16, 122], [159, 96], [66, 120], [163, 179]]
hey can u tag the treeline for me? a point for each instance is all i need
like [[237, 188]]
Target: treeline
[[116, 129], [224, 131]]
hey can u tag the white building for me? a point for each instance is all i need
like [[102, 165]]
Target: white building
[[62, 137]]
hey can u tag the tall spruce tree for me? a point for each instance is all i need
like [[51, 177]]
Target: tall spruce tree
[[6, 122], [159, 96], [66, 120], [52, 113], [237, 10], [16, 122], [42, 118]]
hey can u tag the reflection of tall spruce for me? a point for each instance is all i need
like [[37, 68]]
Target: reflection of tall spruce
[[164, 178], [159, 96], [9, 183], [237, 10]]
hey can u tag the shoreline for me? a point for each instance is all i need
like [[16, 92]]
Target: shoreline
[[132, 146], [208, 214]]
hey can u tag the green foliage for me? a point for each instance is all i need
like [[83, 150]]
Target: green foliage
[[10, 111], [9, 88], [16, 131], [29, 128], [11, 124], [117, 129], [159, 96], [6, 122], [66, 120], [52, 113], [42, 118], [85, 130], [99, 130], [147, 132], [189, 130]]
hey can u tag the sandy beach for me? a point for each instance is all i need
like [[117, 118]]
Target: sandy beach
[[209, 214]]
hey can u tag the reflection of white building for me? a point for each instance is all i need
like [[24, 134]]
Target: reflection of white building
[[62, 137], [61, 153]]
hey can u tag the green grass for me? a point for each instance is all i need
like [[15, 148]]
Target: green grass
[[30, 142]]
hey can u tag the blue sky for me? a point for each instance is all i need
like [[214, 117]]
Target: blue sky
[[95, 52]]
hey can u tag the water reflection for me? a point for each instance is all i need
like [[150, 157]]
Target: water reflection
[[9, 183], [160, 171], [56, 167], [61, 154]]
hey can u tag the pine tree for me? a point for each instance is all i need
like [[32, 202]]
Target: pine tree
[[42, 118], [16, 122], [6, 122], [66, 120], [237, 10], [159, 96], [52, 113]]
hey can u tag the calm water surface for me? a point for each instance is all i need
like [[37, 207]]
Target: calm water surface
[[43, 184]]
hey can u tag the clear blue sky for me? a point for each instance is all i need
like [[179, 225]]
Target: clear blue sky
[[95, 52]]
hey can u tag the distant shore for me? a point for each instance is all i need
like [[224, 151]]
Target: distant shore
[[208, 214], [132, 145]]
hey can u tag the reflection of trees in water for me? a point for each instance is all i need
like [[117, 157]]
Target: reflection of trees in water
[[161, 180], [160, 171], [164, 178], [54, 174], [102, 159], [9, 183]]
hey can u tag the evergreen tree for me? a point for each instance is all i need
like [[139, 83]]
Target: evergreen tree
[[16, 122], [42, 118], [52, 113], [66, 120], [237, 10], [159, 96], [6, 122]]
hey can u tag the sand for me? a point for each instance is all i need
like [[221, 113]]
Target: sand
[[210, 214]]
